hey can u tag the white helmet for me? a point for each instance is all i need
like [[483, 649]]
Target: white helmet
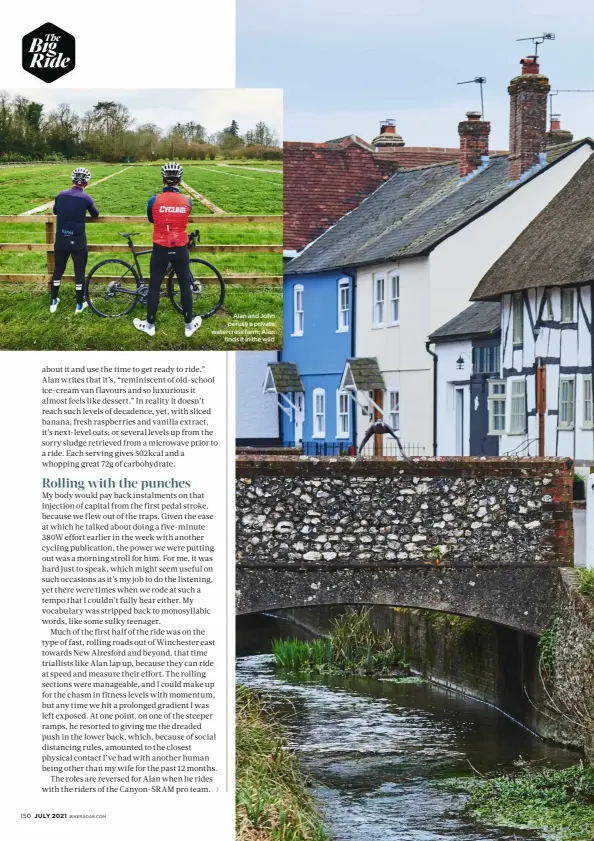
[[81, 175], [172, 172]]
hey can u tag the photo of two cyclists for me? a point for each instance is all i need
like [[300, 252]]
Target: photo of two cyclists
[[111, 201], [168, 212]]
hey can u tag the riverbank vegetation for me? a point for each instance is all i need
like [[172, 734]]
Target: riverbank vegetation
[[272, 800], [586, 581], [353, 647], [560, 802]]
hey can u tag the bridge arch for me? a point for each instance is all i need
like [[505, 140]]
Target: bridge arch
[[514, 598]]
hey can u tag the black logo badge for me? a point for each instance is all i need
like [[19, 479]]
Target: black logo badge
[[48, 52]]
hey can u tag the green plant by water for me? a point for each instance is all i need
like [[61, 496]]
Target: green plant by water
[[353, 647], [273, 802], [560, 802]]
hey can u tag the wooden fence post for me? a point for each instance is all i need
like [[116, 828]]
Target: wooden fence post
[[49, 238]]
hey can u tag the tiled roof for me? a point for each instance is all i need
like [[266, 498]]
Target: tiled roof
[[412, 156], [286, 377], [366, 374], [323, 181], [409, 215], [480, 319]]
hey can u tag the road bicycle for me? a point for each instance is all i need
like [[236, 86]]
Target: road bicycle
[[115, 287]]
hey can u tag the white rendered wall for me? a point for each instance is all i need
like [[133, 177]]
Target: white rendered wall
[[257, 413], [449, 378]]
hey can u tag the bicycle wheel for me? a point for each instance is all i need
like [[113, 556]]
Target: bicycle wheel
[[112, 288], [208, 289]]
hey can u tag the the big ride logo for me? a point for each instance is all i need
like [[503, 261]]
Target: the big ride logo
[[48, 52]]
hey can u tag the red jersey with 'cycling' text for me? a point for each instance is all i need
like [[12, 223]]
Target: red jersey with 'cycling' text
[[170, 212]]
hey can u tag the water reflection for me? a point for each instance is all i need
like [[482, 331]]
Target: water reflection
[[376, 750]]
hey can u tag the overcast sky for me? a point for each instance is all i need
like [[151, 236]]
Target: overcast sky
[[346, 64], [211, 108]]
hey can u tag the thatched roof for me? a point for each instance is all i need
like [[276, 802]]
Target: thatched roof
[[556, 249]]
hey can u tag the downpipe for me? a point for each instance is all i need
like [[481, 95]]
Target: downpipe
[[435, 360]]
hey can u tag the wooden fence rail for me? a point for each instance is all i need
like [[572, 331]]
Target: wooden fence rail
[[48, 246]]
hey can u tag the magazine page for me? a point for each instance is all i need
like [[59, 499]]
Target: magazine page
[[140, 246]]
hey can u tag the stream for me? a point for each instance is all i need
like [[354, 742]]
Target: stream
[[377, 750]]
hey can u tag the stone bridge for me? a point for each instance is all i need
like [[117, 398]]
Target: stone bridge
[[477, 537]]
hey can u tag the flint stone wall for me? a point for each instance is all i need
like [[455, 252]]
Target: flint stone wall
[[462, 512]]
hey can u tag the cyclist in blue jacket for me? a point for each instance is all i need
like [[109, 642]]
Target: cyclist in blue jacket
[[71, 207]]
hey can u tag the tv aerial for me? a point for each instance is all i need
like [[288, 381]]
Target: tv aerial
[[539, 39], [479, 80]]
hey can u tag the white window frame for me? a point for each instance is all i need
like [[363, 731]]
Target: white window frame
[[319, 432], [568, 423], [567, 294], [340, 396], [394, 299], [512, 381], [298, 314], [394, 410], [587, 402], [379, 304], [495, 397], [343, 312], [517, 315]]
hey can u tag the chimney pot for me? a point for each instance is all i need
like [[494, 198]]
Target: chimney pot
[[530, 65], [387, 138], [473, 115]]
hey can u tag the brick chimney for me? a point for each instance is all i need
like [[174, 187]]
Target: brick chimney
[[557, 135], [388, 137], [528, 117], [474, 141]]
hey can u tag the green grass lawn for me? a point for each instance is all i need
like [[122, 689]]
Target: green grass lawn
[[24, 188], [25, 305], [237, 192], [26, 323]]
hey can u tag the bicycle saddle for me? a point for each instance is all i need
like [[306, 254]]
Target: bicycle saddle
[[129, 235]]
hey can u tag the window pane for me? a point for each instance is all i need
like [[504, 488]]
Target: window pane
[[567, 305], [518, 406], [587, 400], [394, 297], [566, 402]]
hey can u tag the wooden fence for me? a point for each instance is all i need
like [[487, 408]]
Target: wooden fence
[[125, 221]]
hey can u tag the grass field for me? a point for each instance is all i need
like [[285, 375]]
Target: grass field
[[25, 321]]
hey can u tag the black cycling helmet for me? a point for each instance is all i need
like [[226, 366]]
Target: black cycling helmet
[[172, 173]]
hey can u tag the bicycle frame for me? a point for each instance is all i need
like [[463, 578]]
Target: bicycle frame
[[192, 239]]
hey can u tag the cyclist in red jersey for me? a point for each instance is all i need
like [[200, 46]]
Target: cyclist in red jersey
[[169, 212]]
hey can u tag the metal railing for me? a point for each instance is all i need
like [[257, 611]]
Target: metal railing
[[48, 245], [347, 448]]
